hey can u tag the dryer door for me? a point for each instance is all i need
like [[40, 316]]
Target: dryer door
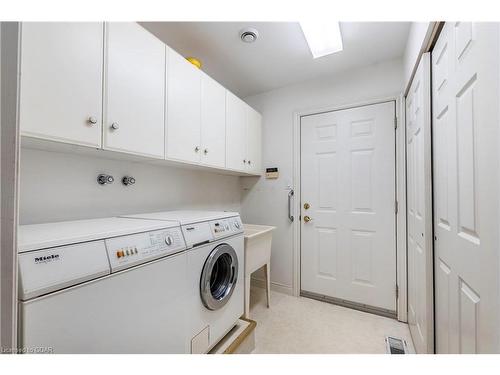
[[219, 276]]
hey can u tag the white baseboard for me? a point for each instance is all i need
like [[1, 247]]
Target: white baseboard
[[281, 288]]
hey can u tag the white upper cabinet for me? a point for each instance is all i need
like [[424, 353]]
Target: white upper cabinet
[[184, 109], [213, 122], [61, 82], [117, 87], [134, 91], [243, 136], [236, 120], [254, 141]]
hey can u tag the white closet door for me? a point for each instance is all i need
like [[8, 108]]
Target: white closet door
[[61, 81], [419, 188], [236, 143], [135, 91], [465, 71], [213, 122], [348, 248], [183, 109]]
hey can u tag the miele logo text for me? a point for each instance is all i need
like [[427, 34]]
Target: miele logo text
[[47, 258]]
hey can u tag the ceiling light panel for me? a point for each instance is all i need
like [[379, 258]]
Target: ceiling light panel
[[323, 38]]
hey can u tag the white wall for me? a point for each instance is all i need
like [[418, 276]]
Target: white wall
[[56, 186], [417, 39], [265, 201]]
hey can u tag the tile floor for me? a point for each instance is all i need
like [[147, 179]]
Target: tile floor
[[301, 325]]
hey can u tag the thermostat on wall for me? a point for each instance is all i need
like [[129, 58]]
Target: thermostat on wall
[[272, 172]]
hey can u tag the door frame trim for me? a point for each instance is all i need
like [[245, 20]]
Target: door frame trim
[[400, 191], [10, 150]]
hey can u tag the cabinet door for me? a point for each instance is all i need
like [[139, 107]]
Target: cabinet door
[[61, 82], [135, 91], [236, 120], [213, 122], [254, 134], [184, 109]]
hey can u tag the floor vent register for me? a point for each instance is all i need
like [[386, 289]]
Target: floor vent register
[[396, 345]]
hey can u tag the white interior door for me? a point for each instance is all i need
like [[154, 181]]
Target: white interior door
[[419, 205], [465, 71], [348, 248]]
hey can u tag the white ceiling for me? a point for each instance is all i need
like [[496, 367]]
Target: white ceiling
[[280, 56]]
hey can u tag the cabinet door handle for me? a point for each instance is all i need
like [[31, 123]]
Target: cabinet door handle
[[205, 151], [196, 149], [115, 126], [92, 120], [244, 161], [249, 162]]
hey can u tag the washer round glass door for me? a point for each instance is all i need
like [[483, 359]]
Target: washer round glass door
[[219, 277]]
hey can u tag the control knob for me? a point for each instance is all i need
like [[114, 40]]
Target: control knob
[[237, 224], [169, 240]]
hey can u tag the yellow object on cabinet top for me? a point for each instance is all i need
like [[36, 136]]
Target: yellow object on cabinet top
[[194, 61]]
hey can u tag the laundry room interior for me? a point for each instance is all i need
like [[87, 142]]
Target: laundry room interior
[[249, 187]]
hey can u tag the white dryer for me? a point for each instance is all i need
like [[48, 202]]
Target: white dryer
[[215, 272], [110, 285]]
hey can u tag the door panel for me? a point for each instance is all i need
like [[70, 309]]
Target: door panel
[[443, 318], [236, 124], [419, 216], [135, 91], [465, 142], [348, 178], [213, 122], [61, 81], [183, 109], [254, 132]]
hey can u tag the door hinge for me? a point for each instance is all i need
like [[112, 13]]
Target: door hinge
[[397, 291], [395, 122], [396, 207]]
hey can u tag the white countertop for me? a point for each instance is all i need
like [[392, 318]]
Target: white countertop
[[185, 216]]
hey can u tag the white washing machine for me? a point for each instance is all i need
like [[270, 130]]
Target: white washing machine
[[215, 272], [111, 285]]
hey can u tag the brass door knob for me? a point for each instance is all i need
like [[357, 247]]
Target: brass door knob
[[307, 219], [306, 206]]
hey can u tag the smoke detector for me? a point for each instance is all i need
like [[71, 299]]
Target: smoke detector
[[249, 35]]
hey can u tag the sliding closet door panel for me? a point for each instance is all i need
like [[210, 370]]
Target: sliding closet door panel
[[465, 141], [420, 257]]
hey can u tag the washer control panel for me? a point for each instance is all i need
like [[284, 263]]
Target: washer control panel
[[226, 227], [128, 251]]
